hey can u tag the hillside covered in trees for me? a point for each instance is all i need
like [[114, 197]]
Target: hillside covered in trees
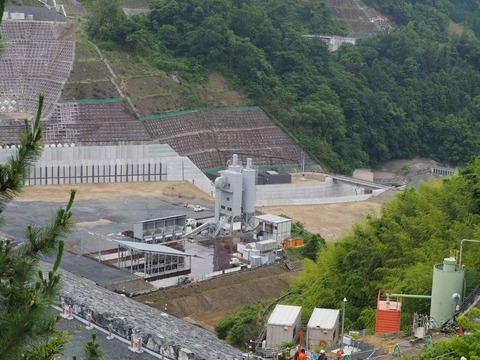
[[410, 91], [397, 250], [393, 251]]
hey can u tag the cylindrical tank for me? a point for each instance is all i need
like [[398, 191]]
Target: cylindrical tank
[[234, 166], [249, 195], [447, 281]]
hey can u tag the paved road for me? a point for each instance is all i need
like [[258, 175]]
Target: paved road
[[93, 270], [101, 220]]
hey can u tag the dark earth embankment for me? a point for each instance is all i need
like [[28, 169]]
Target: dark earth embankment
[[205, 303]]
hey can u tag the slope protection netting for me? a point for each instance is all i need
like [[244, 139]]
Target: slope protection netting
[[89, 123], [209, 137], [33, 62]]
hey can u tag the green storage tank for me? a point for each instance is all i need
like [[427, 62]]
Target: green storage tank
[[447, 281]]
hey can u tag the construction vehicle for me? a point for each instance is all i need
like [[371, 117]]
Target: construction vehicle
[[234, 262], [184, 280]]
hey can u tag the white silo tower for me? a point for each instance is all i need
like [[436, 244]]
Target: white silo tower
[[249, 175], [228, 192], [447, 287]]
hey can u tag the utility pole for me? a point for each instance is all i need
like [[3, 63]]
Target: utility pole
[[344, 302], [303, 166]]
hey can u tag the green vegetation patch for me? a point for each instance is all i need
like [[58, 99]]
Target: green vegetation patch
[[89, 90], [154, 104], [90, 70], [144, 86], [126, 64]]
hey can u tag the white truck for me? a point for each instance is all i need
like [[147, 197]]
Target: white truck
[[198, 208]]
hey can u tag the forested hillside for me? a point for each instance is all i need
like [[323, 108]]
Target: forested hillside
[[397, 250], [394, 251], [410, 91]]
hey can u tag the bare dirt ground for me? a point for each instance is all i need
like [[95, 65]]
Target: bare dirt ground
[[206, 303], [331, 221], [61, 193]]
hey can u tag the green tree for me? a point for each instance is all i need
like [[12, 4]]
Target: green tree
[[240, 328], [92, 350], [106, 20], [397, 249], [26, 322], [311, 247]]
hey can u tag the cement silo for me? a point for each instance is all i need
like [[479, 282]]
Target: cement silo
[[228, 191], [447, 281], [248, 200]]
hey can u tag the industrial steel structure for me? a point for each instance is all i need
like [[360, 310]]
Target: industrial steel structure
[[152, 261]]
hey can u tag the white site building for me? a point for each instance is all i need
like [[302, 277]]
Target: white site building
[[273, 227], [323, 328], [283, 325]]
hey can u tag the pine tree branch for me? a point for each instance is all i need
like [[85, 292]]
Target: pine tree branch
[[25, 299], [14, 173]]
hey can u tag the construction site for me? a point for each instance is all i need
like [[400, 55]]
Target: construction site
[[190, 197]]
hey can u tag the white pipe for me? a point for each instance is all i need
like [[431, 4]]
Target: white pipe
[[461, 247]]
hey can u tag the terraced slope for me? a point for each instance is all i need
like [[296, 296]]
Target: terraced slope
[[209, 137], [361, 21]]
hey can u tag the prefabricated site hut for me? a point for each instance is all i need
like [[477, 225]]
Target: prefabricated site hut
[[283, 325], [273, 227], [322, 328]]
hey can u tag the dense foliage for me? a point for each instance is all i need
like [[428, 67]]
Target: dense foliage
[[437, 14], [238, 329], [312, 242], [414, 90], [397, 250]]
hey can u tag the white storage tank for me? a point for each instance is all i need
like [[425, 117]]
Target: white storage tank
[[249, 192], [283, 325], [447, 281], [322, 328]]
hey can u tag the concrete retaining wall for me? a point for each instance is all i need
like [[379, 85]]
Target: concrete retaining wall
[[308, 193], [120, 163]]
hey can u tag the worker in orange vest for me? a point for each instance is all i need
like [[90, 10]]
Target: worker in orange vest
[[339, 354], [302, 355]]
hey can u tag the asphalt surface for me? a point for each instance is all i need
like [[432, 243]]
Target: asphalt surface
[[100, 221]]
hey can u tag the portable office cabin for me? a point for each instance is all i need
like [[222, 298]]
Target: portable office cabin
[[322, 328], [273, 227], [283, 325]]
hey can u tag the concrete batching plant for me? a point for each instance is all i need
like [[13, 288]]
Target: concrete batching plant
[[235, 194]]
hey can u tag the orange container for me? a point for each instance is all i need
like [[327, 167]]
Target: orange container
[[290, 243], [389, 311]]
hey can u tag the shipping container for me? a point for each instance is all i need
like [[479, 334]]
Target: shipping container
[[291, 243]]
